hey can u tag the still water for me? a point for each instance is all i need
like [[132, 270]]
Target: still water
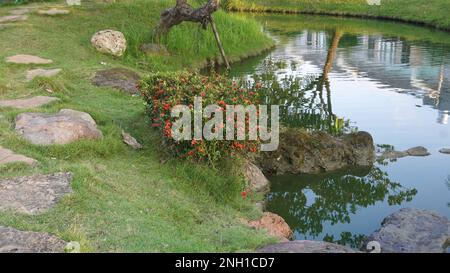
[[391, 80]]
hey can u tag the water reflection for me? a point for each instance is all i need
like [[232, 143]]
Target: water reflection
[[308, 201]]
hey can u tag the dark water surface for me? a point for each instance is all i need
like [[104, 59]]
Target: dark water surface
[[389, 79]]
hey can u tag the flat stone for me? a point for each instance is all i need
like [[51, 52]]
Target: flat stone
[[393, 155], [274, 225], [8, 156], [33, 194], [306, 246], [53, 12], [47, 73], [33, 102], [63, 127], [73, 2], [119, 78], [13, 18], [19, 11], [16, 241], [255, 178], [418, 151], [131, 141], [27, 59], [445, 151], [412, 231]]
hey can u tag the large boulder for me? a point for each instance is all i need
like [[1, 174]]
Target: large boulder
[[274, 225], [110, 42], [119, 78], [303, 152], [255, 178], [33, 194], [306, 247], [16, 241], [63, 127], [412, 231]]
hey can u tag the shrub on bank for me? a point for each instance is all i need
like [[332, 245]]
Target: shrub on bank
[[163, 91]]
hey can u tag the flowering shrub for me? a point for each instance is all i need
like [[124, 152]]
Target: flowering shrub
[[163, 91]]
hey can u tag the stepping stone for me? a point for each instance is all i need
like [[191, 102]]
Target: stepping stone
[[33, 102], [8, 156], [16, 241], [13, 18], [47, 73], [119, 78], [63, 127], [73, 2], [27, 59], [19, 11], [418, 151], [131, 141], [53, 12], [445, 151], [33, 194]]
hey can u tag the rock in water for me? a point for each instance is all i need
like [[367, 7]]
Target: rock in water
[[256, 179], [418, 151], [63, 127], [131, 141], [28, 103], [33, 194], [120, 78], [306, 247], [31, 74], [16, 241], [393, 155], [274, 224], [445, 151], [303, 152], [109, 42], [412, 231], [8, 156], [27, 59]]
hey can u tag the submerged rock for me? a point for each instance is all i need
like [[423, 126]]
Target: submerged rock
[[412, 231], [63, 127], [255, 178], [274, 224], [445, 151], [306, 246], [16, 241], [418, 151], [119, 78], [303, 152], [109, 42], [393, 155]]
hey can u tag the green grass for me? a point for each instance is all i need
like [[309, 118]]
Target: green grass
[[429, 12], [124, 200]]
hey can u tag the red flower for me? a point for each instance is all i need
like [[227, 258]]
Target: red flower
[[166, 106], [244, 194]]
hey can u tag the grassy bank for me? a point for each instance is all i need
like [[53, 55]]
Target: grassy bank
[[427, 12], [124, 200]]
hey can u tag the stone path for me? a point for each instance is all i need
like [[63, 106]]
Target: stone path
[[63, 127], [53, 12], [27, 59], [31, 74], [33, 194], [16, 241], [28, 103], [13, 18], [119, 78], [8, 156], [21, 11]]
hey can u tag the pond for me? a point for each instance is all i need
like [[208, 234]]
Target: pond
[[389, 79]]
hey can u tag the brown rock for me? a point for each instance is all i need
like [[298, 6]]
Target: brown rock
[[27, 59], [274, 224], [119, 78], [256, 179], [131, 141], [8, 156], [28, 103], [418, 151], [31, 74], [16, 241]]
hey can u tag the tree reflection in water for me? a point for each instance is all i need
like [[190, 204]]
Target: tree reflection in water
[[306, 202]]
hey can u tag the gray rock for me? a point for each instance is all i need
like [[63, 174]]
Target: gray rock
[[47, 73], [119, 78], [261, 206], [131, 141], [16, 241], [33, 194], [299, 246], [255, 178], [109, 42], [63, 127], [27, 59], [445, 151], [393, 155], [412, 231], [53, 12], [28, 103], [303, 152], [13, 18], [8, 156], [418, 151]]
